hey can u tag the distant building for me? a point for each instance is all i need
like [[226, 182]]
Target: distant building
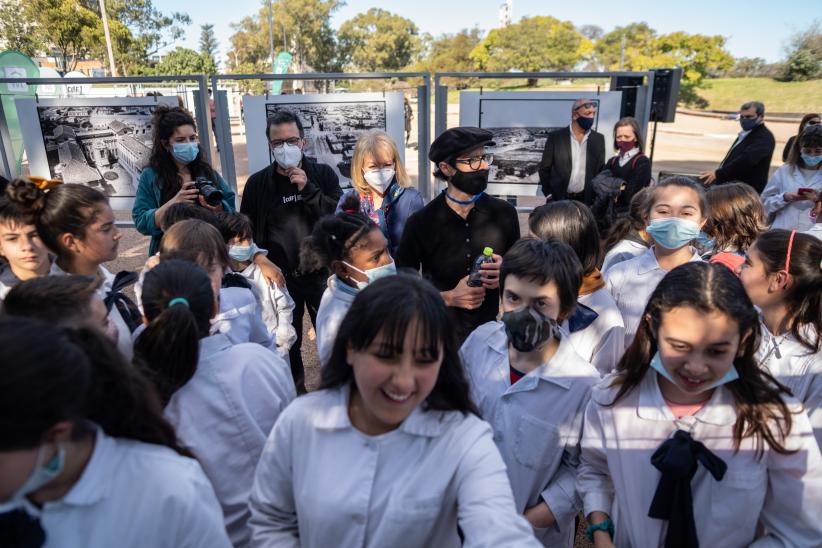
[[132, 155], [506, 12]]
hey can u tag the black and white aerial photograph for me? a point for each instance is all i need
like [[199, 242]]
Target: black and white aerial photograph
[[517, 154]]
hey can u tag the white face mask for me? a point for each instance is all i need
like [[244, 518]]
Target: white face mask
[[287, 156], [42, 474], [379, 179]]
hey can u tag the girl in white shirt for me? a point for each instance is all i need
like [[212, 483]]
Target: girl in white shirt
[[690, 443], [86, 457], [355, 249], [222, 398], [782, 275], [597, 331], [793, 188], [77, 224], [389, 451], [627, 237], [677, 210]]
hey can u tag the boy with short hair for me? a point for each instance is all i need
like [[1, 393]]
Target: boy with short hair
[[25, 254], [531, 385]]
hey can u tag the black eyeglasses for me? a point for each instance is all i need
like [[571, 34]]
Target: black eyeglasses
[[476, 162], [586, 105], [293, 141]]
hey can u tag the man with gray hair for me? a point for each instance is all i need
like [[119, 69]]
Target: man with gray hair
[[749, 158], [573, 156]]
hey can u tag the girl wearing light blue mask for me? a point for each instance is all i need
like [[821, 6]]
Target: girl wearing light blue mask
[[79, 429], [676, 212], [690, 443], [354, 248], [793, 189]]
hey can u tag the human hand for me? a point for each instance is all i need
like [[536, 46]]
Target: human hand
[[464, 296], [808, 194], [187, 194], [490, 272], [297, 177], [269, 270], [792, 197], [708, 178]]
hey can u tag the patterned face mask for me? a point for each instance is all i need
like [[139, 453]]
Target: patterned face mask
[[528, 329]]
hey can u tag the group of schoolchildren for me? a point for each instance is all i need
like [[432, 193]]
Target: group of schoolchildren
[[669, 386]]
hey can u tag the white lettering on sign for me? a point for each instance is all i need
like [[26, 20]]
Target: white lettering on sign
[[16, 72]]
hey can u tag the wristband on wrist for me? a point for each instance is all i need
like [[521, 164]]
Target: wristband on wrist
[[607, 526]]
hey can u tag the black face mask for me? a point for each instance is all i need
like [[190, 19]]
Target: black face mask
[[471, 182], [528, 329]]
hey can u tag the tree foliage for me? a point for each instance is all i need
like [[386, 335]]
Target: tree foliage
[[16, 30], [377, 41], [804, 61], [185, 61], [208, 43], [449, 52]]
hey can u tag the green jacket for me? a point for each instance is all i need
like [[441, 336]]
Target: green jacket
[[148, 200]]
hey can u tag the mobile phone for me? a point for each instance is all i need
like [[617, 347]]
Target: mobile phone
[[804, 190]]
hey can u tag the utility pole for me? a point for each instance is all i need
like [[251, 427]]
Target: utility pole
[[271, 36], [622, 52], [111, 66]]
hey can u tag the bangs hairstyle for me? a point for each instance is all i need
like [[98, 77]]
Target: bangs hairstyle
[[385, 310], [570, 222], [236, 225], [13, 216], [541, 262], [804, 292], [708, 288], [197, 242], [630, 121], [811, 137], [372, 144], [682, 182], [58, 300], [737, 216], [68, 208]]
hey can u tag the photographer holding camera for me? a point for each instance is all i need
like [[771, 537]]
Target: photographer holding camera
[[177, 172]]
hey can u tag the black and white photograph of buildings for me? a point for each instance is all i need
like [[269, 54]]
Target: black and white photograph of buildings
[[517, 154]]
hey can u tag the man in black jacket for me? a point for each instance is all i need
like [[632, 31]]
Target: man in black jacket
[[749, 159], [284, 201], [573, 156]]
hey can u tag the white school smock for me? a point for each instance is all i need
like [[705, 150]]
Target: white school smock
[[624, 250], [336, 301], [321, 482], [537, 423], [815, 231], [783, 493], [240, 319], [631, 283], [797, 367], [276, 307], [793, 215], [135, 495], [603, 342], [224, 414], [124, 335]]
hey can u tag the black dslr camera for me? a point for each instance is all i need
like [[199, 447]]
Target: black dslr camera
[[210, 193]]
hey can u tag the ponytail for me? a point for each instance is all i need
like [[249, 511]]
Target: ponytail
[[178, 302], [633, 222], [334, 236]]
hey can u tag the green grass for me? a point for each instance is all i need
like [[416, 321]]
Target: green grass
[[728, 93]]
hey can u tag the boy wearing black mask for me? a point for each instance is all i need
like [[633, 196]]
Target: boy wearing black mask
[[443, 238]]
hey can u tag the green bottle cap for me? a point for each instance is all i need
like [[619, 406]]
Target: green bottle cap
[[487, 251]]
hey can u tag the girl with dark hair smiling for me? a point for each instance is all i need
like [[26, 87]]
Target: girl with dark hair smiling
[[390, 451]]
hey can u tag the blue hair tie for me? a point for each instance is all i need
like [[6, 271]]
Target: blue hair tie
[[178, 300]]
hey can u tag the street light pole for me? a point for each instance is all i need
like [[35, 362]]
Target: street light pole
[[271, 36], [108, 38]]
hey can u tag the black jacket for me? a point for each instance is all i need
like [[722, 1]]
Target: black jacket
[[750, 160], [555, 167], [283, 217]]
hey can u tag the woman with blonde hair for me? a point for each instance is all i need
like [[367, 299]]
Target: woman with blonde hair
[[382, 186]]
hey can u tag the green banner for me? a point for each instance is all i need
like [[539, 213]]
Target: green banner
[[14, 64], [280, 67]]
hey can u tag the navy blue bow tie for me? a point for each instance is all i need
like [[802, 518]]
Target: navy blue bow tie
[[581, 318], [19, 529]]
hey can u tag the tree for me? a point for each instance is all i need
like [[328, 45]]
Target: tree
[[450, 52], [533, 44], [804, 61], [17, 30], [185, 61], [68, 27], [378, 40], [639, 46], [208, 43], [591, 32]]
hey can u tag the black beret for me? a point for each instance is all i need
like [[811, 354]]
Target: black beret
[[456, 140]]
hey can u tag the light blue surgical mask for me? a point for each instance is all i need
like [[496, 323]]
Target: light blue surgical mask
[[811, 161], [39, 477], [705, 243], [373, 274], [242, 253], [185, 152], [673, 232], [731, 375]]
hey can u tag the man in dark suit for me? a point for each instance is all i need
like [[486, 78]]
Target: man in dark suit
[[749, 158], [573, 156]]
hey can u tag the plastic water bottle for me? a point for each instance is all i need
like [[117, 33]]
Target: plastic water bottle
[[474, 279]]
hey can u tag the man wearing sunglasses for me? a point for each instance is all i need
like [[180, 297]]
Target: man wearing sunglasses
[[749, 158], [573, 156]]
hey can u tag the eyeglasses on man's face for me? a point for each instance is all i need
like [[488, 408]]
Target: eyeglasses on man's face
[[277, 143], [475, 162]]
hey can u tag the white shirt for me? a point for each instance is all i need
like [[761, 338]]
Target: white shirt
[[622, 251], [815, 230], [627, 157], [793, 215], [240, 319], [135, 495], [124, 335], [603, 342], [782, 493], [334, 305], [277, 309], [579, 157], [321, 482], [224, 414], [631, 283], [797, 367], [537, 422]]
